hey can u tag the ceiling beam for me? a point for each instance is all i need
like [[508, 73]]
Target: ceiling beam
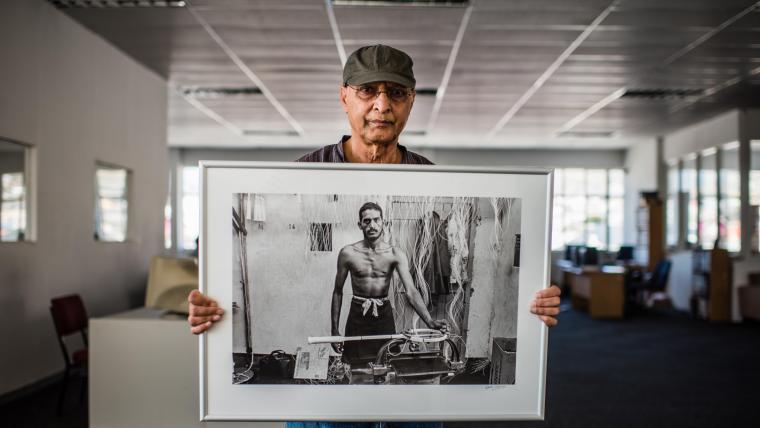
[[211, 114], [708, 35], [551, 70], [449, 68], [713, 90], [335, 32], [591, 110], [246, 70], [669, 60]]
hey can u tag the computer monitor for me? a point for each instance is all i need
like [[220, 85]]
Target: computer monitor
[[570, 252], [590, 256], [625, 253]]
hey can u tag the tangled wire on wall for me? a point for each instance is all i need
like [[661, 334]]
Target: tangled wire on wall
[[455, 221], [424, 228]]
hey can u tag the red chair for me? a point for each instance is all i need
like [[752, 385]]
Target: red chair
[[70, 318]]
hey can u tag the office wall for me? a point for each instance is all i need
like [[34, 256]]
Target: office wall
[[735, 125], [753, 123], [721, 129], [78, 100], [480, 157], [549, 158], [11, 162], [641, 165]]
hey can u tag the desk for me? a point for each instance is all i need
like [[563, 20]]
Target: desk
[[144, 373], [601, 291]]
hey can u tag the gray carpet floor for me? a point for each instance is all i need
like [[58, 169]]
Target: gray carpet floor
[[649, 370]]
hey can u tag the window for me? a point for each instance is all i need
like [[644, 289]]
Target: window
[[13, 209], [14, 192], [111, 203], [588, 208], [190, 211], [671, 208], [708, 199], [168, 223], [320, 236], [689, 188], [730, 218], [754, 193], [616, 198], [704, 198], [596, 208]]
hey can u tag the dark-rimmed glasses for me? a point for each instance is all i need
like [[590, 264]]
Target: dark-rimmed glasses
[[369, 92]]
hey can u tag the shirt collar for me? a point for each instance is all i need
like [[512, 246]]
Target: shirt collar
[[342, 155]]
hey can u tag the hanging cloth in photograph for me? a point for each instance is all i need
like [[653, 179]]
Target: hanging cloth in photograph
[[458, 248], [259, 212], [437, 268]]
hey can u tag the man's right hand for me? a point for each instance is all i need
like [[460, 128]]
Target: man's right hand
[[337, 346], [204, 311]]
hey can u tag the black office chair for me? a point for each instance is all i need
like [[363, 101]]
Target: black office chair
[[640, 287]]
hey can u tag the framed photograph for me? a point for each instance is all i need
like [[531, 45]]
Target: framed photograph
[[361, 292]]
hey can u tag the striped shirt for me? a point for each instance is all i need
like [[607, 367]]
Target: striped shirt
[[333, 153]]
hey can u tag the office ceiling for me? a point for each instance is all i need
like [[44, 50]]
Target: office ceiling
[[492, 73]]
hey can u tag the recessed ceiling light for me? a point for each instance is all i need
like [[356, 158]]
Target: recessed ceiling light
[[268, 133], [586, 134], [105, 4], [662, 93], [436, 3], [426, 91], [219, 92]]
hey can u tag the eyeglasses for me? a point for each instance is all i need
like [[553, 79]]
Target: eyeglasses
[[369, 92]]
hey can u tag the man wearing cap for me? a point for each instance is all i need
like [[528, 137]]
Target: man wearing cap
[[377, 95]]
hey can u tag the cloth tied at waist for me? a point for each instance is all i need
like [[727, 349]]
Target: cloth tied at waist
[[370, 302]]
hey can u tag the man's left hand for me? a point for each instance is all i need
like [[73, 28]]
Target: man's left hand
[[546, 305], [439, 325]]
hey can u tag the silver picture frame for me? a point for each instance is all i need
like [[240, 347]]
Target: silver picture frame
[[520, 399]]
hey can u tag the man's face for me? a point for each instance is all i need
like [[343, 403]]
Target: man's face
[[371, 224], [377, 119]]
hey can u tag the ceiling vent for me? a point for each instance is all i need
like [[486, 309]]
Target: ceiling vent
[[208, 93], [438, 3], [110, 4], [426, 91], [417, 133], [268, 133], [662, 93], [586, 134]]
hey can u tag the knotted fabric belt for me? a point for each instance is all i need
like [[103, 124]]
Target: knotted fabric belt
[[370, 302]]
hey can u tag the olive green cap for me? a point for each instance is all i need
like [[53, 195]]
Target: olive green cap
[[378, 63]]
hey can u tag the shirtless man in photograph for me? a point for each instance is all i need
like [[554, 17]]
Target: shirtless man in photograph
[[371, 263]]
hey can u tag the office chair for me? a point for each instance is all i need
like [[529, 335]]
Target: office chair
[[638, 286], [70, 318]]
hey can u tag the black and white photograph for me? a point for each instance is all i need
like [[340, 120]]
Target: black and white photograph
[[374, 289]]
